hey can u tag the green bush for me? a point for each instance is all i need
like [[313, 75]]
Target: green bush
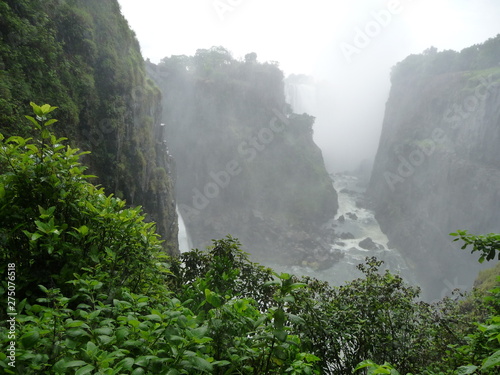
[[54, 222], [95, 294], [476, 352], [91, 290]]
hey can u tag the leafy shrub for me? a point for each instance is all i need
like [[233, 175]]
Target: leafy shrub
[[95, 294], [91, 282], [53, 221], [466, 352]]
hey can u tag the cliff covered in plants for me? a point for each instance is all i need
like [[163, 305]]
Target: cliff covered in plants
[[437, 169], [247, 166], [81, 56]]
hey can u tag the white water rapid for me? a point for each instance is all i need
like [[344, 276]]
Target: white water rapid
[[352, 225]]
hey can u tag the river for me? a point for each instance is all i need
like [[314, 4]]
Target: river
[[354, 223]]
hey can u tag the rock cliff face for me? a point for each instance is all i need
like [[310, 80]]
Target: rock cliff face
[[246, 165], [438, 164], [81, 56]]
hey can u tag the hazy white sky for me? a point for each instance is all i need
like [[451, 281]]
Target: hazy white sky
[[348, 44]]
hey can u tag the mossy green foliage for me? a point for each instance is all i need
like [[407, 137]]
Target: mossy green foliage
[[82, 55], [54, 222], [479, 57], [467, 351], [487, 278]]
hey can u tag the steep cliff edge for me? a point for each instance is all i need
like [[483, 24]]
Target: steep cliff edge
[[246, 165], [437, 168], [81, 56]]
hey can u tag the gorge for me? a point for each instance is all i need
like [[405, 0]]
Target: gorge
[[246, 164], [236, 154], [182, 216], [437, 166]]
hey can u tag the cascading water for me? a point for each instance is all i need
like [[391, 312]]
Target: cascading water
[[357, 232], [358, 235], [184, 240], [302, 97]]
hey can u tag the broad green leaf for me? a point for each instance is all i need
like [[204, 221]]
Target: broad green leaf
[[83, 230], [50, 122], [153, 317], [492, 361], [46, 108], [285, 276], [134, 323], [466, 370], [122, 333], [30, 339], [74, 324], [35, 236], [279, 318], [59, 366], [364, 364], [126, 363], [200, 364], [91, 347], [94, 314], [38, 110], [280, 335], [85, 370], [103, 331], [76, 332], [15, 139], [43, 289], [212, 298], [74, 364], [104, 339], [200, 332]]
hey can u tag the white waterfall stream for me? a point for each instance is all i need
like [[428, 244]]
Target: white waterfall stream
[[184, 240]]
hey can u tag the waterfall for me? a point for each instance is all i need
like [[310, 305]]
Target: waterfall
[[184, 240], [302, 97]]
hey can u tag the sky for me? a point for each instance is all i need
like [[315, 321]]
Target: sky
[[347, 46]]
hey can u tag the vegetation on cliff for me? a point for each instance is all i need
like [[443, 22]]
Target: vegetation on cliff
[[478, 57], [437, 165], [246, 165], [82, 55]]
